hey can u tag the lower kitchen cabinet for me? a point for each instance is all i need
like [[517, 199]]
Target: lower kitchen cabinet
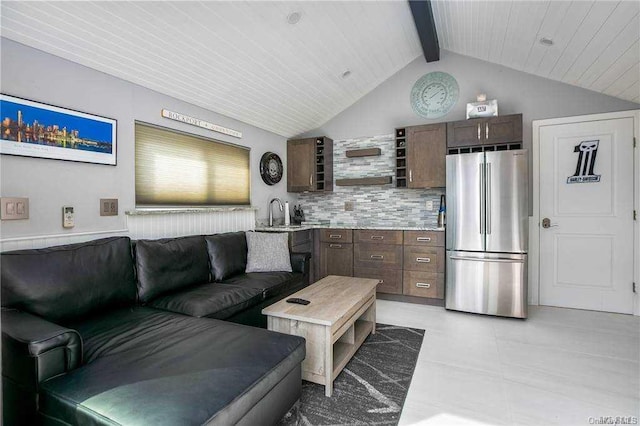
[[336, 259], [423, 284], [389, 280]]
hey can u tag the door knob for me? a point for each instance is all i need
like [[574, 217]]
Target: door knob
[[546, 223]]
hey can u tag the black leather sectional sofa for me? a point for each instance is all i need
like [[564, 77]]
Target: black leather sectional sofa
[[151, 333]]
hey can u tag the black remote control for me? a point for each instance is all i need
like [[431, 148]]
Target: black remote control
[[298, 301]]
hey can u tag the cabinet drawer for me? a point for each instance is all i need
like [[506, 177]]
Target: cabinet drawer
[[424, 238], [427, 259], [423, 284], [336, 235], [390, 280], [377, 237], [300, 237], [385, 256]]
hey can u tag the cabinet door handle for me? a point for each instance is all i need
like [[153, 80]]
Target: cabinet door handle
[[377, 256], [423, 285], [311, 180], [410, 175], [335, 236], [478, 131], [486, 131], [427, 239], [423, 259], [377, 237], [380, 281], [335, 245]]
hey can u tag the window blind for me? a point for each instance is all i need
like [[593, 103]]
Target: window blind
[[177, 169]]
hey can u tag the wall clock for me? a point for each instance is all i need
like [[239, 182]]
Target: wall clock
[[434, 94], [271, 168]]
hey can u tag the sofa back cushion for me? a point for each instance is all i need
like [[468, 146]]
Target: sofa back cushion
[[170, 264], [227, 254], [69, 282]]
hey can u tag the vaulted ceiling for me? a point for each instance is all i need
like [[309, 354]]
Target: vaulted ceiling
[[247, 61]]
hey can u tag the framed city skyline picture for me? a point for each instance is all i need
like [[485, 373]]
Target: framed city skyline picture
[[35, 129]]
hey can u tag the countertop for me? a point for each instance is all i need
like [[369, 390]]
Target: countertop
[[391, 226]]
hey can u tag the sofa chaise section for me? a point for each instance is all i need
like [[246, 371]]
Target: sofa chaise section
[[171, 369]]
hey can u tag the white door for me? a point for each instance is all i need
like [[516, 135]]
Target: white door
[[586, 193]]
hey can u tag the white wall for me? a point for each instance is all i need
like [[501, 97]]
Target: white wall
[[50, 184]]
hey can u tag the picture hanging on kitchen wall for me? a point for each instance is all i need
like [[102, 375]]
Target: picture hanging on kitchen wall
[[35, 129]]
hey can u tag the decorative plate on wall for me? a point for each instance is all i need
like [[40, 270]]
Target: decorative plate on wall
[[271, 168], [434, 94]]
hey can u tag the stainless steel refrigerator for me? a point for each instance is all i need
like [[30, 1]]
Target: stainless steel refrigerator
[[487, 232]]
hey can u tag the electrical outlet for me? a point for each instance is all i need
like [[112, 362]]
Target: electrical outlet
[[108, 207], [429, 205], [349, 206], [14, 208], [68, 220]]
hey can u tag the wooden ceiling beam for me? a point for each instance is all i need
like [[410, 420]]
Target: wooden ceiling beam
[[426, 26]]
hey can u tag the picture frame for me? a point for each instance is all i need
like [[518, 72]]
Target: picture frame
[[35, 129]]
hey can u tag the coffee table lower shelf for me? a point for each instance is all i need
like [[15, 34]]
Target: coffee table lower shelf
[[329, 351]]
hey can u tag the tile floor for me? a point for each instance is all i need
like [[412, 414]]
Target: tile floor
[[560, 366]]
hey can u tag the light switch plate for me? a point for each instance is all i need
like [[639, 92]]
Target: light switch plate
[[108, 207], [429, 205], [12, 208], [349, 206]]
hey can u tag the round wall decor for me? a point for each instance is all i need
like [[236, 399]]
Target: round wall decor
[[271, 168], [434, 94]]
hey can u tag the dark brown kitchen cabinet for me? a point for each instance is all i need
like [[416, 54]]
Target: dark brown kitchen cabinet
[[490, 130], [426, 155], [336, 252], [336, 259], [310, 164]]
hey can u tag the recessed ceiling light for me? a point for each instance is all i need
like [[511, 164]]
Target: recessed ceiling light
[[294, 17], [546, 41], [345, 74]]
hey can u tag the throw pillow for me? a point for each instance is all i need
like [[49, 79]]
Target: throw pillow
[[268, 252]]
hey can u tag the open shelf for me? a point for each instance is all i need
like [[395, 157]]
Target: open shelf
[[343, 349], [401, 158]]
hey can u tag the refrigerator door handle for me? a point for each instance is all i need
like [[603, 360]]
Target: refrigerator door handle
[[481, 208], [488, 259], [488, 195]]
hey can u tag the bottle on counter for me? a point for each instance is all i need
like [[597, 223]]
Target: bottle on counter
[[442, 212], [287, 216]]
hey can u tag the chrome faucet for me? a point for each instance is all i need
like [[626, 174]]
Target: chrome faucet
[[270, 211]]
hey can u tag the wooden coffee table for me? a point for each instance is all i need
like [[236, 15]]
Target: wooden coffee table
[[339, 318]]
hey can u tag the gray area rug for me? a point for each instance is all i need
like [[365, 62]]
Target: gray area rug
[[372, 387]]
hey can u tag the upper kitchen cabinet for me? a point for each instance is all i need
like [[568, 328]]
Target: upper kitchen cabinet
[[310, 164], [504, 129], [425, 156]]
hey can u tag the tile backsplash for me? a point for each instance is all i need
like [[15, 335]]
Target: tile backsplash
[[370, 203]]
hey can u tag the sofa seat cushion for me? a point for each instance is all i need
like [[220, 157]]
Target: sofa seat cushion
[[146, 366], [210, 300], [271, 283]]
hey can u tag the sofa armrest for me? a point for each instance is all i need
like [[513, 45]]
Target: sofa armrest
[[34, 349], [300, 262]]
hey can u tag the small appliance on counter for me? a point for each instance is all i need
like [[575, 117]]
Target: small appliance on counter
[[487, 232]]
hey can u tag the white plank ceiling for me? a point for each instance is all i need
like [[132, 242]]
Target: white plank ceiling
[[240, 59], [596, 43], [243, 60]]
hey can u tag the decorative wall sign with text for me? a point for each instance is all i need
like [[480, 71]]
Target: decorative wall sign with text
[[586, 162], [200, 123]]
